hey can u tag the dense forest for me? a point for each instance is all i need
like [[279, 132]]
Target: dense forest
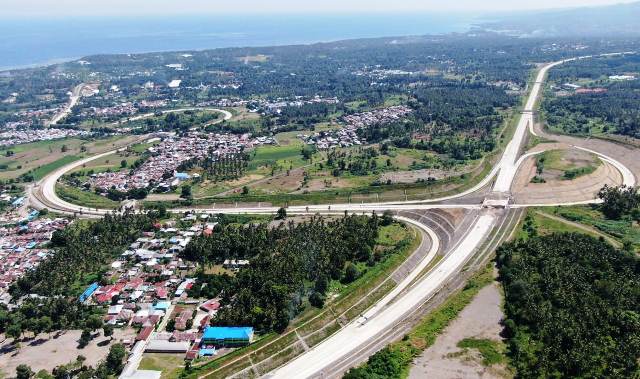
[[289, 264], [81, 252], [572, 307], [610, 107], [451, 117]]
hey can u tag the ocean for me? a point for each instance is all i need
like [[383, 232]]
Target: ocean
[[32, 42]]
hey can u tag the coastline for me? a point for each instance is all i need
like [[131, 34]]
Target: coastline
[[57, 41]]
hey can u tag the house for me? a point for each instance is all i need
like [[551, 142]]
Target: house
[[227, 336], [235, 264], [210, 305], [144, 333], [161, 346], [183, 319], [88, 292]]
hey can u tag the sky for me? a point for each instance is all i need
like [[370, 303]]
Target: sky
[[61, 8]]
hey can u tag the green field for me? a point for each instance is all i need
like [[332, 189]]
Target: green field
[[86, 198], [42, 171], [281, 155], [45, 156], [622, 230], [570, 165]]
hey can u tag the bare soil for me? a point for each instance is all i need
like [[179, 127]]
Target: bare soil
[[556, 189], [46, 353], [480, 319]]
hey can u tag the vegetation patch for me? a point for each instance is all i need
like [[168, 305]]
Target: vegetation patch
[[571, 307], [87, 198], [492, 351]]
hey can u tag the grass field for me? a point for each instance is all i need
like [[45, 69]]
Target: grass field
[[87, 198], [621, 230], [570, 163], [492, 352], [169, 364], [45, 156], [42, 171], [110, 162]]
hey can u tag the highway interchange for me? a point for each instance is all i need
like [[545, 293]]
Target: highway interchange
[[485, 225]]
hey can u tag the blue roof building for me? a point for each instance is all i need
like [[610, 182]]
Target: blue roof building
[[182, 176], [162, 306], [227, 336], [33, 215], [88, 292], [18, 202]]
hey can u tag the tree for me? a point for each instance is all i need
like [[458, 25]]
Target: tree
[[618, 201], [123, 163], [351, 273], [24, 372], [387, 218], [171, 325], [64, 148], [14, 331], [114, 359], [593, 303], [94, 322], [45, 324], [245, 190], [185, 192], [85, 338], [108, 330], [316, 299], [282, 214], [61, 372]]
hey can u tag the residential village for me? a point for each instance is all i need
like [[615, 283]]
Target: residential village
[[347, 136], [23, 243], [160, 169], [15, 136], [145, 289]]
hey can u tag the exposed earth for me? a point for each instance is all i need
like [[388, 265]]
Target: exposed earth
[[480, 319]]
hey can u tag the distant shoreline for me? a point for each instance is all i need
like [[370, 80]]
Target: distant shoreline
[[27, 44]]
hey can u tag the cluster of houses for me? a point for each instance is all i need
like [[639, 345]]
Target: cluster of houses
[[224, 102], [379, 73], [347, 136], [159, 170], [121, 109], [23, 245], [377, 116], [19, 136], [275, 106], [147, 288], [344, 137]]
